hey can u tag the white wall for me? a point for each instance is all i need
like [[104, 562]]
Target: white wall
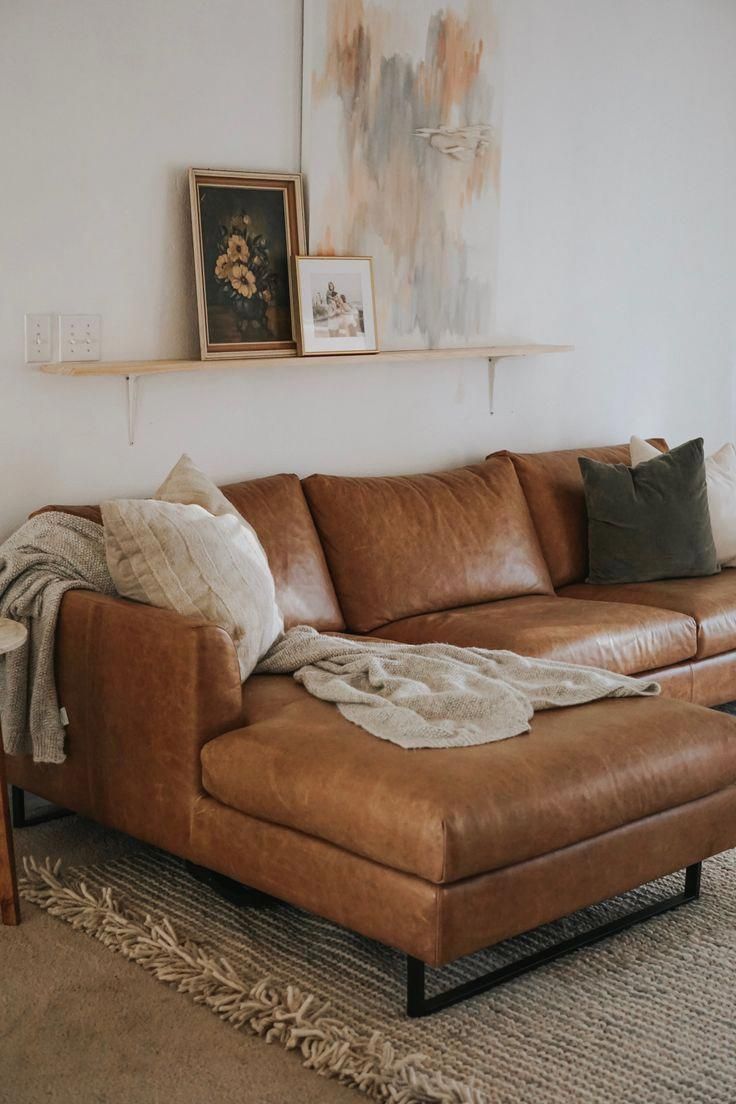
[[618, 234]]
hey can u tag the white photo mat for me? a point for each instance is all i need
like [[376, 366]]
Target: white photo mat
[[335, 303]]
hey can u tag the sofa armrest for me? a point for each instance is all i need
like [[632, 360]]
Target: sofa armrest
[[144, 689]]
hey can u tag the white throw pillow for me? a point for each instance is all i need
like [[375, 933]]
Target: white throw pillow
[[720, 478], [187, 484], [182, 558]]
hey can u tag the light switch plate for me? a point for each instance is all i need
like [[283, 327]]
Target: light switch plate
[[39, 338], [80, 336]]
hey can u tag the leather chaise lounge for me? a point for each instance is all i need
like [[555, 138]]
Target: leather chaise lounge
[[438, 853]]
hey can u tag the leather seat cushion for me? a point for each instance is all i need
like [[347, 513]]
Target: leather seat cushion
[[617, 636], [402, 545], [553, 487], [710, 601], [447, 814], [276, 508]]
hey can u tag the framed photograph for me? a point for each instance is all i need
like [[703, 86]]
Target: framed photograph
[[335, 305], [247, 227]]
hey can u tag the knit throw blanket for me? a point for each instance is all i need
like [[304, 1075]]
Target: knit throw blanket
[[415, 695], [50, 554], [436, 695]]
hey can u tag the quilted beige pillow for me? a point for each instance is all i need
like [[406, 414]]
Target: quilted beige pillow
[[183, 558]]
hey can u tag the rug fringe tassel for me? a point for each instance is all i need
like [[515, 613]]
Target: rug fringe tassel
[[294, 1020]]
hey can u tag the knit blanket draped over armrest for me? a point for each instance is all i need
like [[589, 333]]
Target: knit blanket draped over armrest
[[50, 554], [436, 695]]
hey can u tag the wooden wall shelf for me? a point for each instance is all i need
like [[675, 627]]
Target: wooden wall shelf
[[132, 370], [157, 367]]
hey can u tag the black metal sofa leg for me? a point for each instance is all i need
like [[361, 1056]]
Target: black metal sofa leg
[[419, 1004], [18, 807], [18, 811], [234, 892]]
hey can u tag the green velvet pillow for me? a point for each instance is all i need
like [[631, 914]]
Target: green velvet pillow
[[651, 521]]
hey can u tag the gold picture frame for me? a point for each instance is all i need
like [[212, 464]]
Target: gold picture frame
[[335, 305], [246, 229]]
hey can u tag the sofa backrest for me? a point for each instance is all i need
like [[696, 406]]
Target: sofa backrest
[[403, 545], [276, 508], [553, 487]]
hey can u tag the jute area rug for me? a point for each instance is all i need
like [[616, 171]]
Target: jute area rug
[[645, 1017]]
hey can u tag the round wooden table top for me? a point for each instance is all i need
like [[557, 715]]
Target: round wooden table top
[[12, 635]]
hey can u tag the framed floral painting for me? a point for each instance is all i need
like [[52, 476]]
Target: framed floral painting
[[246, 227]]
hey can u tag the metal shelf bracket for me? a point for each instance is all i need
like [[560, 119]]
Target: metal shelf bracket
[[131, 383], [492, 361]]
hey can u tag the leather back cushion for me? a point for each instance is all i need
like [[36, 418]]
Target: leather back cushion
[[553, 487], [402, 545], [276, 508]]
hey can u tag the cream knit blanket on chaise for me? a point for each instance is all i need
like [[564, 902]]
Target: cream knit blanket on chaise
[[436, 695], [416, 695]]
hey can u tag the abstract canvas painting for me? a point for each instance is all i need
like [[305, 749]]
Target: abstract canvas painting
[[401, 152]]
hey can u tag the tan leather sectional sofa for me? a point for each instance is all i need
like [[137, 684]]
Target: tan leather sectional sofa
[[435, 852]]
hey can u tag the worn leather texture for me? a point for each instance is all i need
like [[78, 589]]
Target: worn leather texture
[[135, 742], [446, 814], [676, 682], [714, 679], [553, 487], [378, 901], [440, 923], [710, 601], [144, 688], [403, 545], [276, 508], [616, 636], [479, 912], [709, 682]]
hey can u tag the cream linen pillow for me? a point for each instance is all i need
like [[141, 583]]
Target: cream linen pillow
[[720, 479], [187, 484], [182, 558]]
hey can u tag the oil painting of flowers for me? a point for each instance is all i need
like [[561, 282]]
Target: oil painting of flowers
[[247, 227]]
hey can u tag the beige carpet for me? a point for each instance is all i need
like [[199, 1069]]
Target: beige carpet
[[646, 1017], [79, 1025]]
